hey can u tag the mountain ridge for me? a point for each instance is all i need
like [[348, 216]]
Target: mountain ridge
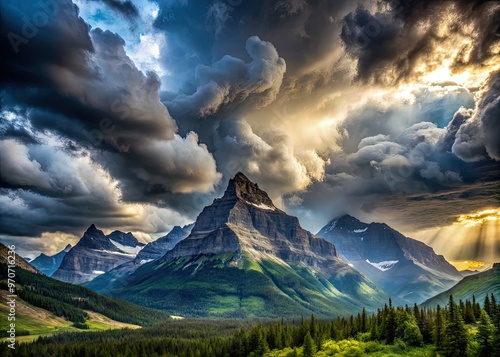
[[479, 285], [407, 268], [96, 253], [48, 264]]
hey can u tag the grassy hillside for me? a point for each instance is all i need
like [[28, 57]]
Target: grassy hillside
[[479, 285], [245, 288], [71, 301], [33, 322]]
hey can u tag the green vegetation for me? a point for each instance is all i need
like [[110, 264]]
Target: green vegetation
[[401, 331], [70, 301], [237, 288], [480, 285]]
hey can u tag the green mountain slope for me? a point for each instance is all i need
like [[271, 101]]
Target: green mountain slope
[[479, 285], [226, 285], [71, 301]]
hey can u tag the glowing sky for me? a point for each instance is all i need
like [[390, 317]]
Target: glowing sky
[[134, 114]]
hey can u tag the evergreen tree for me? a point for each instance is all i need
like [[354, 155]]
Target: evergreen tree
[[364, 322], [439, 328], [493, 305], [495, 342], [469, 313], [487, 305], [309, 348], [456, 340], [484, 335], [475, 307]]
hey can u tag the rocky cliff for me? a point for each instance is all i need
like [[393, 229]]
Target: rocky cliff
[[96, 254]]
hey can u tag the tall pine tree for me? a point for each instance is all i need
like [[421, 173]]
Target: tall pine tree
[[456, 340], [484, 335]]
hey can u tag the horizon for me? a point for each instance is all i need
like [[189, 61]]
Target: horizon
[[133, 116]]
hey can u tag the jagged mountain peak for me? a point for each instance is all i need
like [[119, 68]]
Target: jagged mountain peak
[[242, 188], [92, 228], [96, 253]]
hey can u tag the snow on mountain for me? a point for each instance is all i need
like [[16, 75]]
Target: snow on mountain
[[383, 266]]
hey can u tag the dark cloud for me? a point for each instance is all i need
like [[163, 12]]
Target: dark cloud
[[126, 8], [92, 93], [73, 106], [477, 137], [253, 86], [390, 46]]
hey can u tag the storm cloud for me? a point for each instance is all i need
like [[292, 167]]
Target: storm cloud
[[134, 115]]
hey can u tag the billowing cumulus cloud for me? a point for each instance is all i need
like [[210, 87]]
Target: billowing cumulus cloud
[[230, 79], [133, 115], [98, 98], [478, 136], [66, 191]]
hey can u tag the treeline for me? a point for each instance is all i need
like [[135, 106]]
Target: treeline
[[70, 301], [458, 329]]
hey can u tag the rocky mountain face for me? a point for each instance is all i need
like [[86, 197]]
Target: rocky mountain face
[[479, 285], [48, 264], [20, 262], [246, 257], [95, 254], [162, 245], [406, 268], [150, 252]]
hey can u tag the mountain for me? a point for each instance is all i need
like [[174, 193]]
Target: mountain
[[150, 252], [162, 245], [96, 254], [48, 264], [406, 268], [20, 262], [247, 258], [479, 285]]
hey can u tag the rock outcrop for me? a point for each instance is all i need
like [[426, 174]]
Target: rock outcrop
[[245, 219]]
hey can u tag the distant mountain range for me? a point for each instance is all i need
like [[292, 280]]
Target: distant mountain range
[[150, 252], [95, 254], [245, 257], [479, 285], [409, 270], [48, 264]]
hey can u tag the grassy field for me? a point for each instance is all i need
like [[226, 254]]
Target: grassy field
[[40, 322]]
